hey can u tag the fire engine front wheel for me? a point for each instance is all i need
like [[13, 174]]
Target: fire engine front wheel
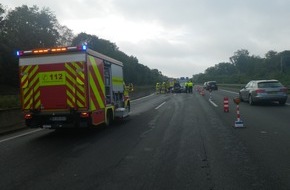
[[128, 107]]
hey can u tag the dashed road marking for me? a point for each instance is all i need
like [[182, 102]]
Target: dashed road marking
[[160, 105], [21, 135], [214, 104]]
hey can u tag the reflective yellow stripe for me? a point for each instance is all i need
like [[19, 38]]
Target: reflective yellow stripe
[[36, 97], [80, 74], [33, 71], [96, 92], [70, 104], [70, 100], [79, 81], [69, 94], [27, 94], [25, 76], [79, 95], [68, 67], [92, 105], [117, 80], [33, 81], [98, 74]]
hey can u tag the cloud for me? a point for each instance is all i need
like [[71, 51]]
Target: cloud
[[178, 37]]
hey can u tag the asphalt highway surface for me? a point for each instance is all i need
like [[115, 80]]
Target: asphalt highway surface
[[170, 141]]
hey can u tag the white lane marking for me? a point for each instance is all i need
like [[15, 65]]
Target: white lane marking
[[145, 133], [212, 103], [17, 136], [143, 97], [230, 91], [160, 105]]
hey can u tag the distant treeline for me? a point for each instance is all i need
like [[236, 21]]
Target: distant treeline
[[25, 28], [244, 67]]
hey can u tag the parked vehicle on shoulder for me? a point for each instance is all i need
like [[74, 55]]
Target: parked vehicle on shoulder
[[211, 85], [264, 91]]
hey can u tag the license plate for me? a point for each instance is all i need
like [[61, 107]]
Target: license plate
[[58, 118], [46, 126]]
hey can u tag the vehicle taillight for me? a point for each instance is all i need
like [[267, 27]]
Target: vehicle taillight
[[260, 91], [85, 115], [284, 90], [28, 116]]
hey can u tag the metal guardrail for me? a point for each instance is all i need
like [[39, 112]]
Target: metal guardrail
[[238, 86]]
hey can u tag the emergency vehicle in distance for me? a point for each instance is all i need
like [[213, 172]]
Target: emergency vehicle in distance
[[71, 87]]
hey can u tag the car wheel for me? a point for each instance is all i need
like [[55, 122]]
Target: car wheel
[[282, 102], [241, 98], [251, 102]]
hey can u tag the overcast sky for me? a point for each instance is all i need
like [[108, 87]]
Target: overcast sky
[[177, 37]]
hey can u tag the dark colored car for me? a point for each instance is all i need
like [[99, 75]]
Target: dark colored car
[[264, 91], [182, 89], [177, 88], [211, 85]]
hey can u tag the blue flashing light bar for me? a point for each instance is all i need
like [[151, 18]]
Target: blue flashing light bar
[[84, 47]]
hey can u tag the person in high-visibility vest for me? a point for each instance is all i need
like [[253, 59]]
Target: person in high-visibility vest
[[190, 85], [167, 86], [126, 90], [186, 87], [171, 85], [157, 88], [163, 86]]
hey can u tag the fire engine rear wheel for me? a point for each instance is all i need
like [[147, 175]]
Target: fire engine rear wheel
[[109, 118]]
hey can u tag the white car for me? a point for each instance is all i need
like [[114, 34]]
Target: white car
[[264, 91]]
